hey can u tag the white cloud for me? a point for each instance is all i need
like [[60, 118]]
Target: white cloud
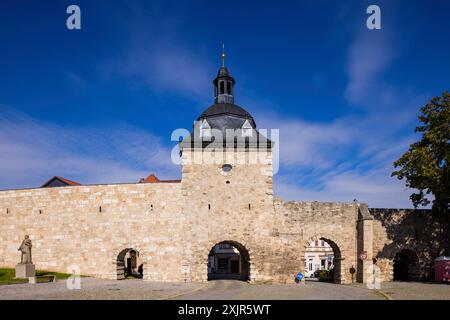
[[158, 56], [169, 68], [75, 78], [368, 57], [32, 151], [374, 187], [349, 157], [306, 144]]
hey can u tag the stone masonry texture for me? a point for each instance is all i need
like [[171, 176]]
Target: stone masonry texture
[[173, 226]]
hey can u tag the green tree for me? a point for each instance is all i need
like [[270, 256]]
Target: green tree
[[425, 165]]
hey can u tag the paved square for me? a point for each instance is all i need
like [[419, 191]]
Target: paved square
[[222, 290]]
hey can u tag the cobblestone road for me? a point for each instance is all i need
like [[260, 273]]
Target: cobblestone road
[[222, 289]]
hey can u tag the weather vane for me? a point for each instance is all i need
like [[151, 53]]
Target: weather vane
[[223, 55]]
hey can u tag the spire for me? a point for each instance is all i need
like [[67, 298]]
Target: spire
[[223, 55], [224, 83]]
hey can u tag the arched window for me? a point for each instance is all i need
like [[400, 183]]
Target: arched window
[[228, 87], [222, 87]]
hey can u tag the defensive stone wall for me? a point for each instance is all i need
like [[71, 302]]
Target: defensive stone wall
[[336, 223], [413, 231], [88, 226], [173, 227]]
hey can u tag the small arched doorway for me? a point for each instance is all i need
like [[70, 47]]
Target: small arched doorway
[[322, 260], [129, 264], [228, 260], [406, 266]]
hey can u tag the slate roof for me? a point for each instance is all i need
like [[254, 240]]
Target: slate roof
[[57, 181]]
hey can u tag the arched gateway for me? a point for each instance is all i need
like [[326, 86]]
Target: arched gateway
[[129, 264], [406, 266], [228, 260], [323, 260]]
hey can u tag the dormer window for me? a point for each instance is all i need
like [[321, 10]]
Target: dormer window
[[205, 130], [247, 129]]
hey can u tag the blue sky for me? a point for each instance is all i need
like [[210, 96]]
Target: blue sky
[[98, 105]]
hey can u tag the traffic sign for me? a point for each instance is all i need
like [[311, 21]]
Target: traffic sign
[[363, 255]]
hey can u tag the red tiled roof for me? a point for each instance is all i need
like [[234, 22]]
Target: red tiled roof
[[152, 178], [67, 181], [70, 182]]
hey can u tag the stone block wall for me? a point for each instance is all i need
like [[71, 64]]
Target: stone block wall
[[402, 229], [236, 207], [67, 227], [333, 222], [174, 226]]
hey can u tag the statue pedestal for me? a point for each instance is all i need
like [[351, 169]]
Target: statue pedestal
[[25, 270]]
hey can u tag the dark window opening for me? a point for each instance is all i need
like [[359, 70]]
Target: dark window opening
[[227, 168]]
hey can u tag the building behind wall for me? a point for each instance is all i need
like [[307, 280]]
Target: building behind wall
[[319, 256]]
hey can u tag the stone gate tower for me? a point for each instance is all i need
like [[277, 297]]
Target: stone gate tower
[[227, 188]]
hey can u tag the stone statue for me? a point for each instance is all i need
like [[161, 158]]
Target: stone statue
[[25, 249]]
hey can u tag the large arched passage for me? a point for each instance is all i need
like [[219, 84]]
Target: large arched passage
[[129, 264], [406, 266], [323, 260], [228, 260]]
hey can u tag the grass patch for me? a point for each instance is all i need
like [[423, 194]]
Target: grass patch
[[58, 275], [7, 276]]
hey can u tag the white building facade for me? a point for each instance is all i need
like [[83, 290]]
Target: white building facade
[[319, 256]]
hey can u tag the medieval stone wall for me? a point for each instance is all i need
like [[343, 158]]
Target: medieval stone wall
[[174, 226], [333, 222], [399, 229], [67, 227]]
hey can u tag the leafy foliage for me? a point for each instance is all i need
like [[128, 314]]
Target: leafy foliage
[[425, 165]]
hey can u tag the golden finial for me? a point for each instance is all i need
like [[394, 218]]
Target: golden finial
[[223, 55]]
